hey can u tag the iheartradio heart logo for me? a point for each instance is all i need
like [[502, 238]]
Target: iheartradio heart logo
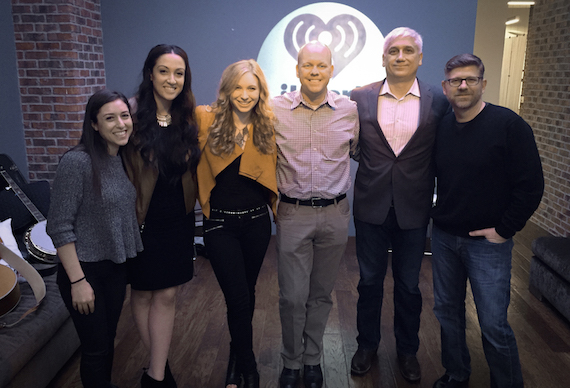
[[355, 42], [344, 34]]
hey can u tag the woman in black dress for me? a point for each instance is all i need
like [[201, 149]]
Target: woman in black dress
[[161, 163]]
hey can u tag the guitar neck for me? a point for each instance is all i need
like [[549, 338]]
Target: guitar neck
[[23, 197]]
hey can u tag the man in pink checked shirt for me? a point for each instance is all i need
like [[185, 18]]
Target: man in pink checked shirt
[[316, 134]]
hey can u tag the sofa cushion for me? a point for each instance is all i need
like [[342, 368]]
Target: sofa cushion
[[554, 252], [22, 341]]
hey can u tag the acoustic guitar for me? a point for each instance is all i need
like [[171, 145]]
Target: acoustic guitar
[[37, 241], [9, 289]]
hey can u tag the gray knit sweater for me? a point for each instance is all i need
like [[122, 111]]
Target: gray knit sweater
[[103, 228]]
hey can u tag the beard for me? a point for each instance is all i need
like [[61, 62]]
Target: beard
[[465, 101]]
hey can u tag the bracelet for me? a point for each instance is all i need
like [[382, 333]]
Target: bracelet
[[77, 281]]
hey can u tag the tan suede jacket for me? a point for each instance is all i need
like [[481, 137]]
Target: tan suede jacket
[[144, 178], [254, 164]]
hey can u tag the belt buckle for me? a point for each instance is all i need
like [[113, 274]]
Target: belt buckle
[[313, 199]]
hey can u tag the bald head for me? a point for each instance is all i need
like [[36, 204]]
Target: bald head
[[314, 69], [314, 47]]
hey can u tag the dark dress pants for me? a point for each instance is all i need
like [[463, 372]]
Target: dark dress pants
[[372, 244]]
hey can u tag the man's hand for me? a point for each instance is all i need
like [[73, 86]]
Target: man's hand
[[490, 234]]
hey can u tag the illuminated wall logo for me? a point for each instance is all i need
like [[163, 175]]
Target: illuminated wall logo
[[355, 41], [343, 32]]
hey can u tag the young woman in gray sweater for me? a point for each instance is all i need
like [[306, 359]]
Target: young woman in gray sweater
[[93, 225]]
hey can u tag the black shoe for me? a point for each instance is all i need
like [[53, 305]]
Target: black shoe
[[313, 376], [362, 361], [447, 382], [149, 382], [232, 374], [168, 377], [289, 378], [251, 380], [409, 367]]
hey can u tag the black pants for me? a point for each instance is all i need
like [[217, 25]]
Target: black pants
[[236, 246], [97, 330]]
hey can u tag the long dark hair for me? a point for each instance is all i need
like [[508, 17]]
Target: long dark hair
[[91, 141], [173, 150]]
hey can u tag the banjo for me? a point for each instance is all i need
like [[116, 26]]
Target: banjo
[[37, 241]]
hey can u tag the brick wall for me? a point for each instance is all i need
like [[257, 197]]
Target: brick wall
[[59, 48], [546, 107]]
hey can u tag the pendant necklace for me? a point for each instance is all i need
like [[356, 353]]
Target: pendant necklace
[[164, 120], [240, 136]]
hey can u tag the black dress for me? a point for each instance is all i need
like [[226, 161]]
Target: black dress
[[168, 239]]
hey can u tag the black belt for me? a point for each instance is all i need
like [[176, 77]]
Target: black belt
[[313, 202]]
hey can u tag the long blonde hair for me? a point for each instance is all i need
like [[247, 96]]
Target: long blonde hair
[[221, 136]]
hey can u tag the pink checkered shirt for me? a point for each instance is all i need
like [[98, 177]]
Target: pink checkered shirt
[[314, 146]]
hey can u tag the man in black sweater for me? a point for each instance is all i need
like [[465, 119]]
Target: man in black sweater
[[489, 183]]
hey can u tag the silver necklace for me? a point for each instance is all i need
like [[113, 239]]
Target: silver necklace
[[240, 136]]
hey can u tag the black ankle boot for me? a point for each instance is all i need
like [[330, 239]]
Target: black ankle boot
[[232, 375], [168, 377], [149, 382], [251, 380]]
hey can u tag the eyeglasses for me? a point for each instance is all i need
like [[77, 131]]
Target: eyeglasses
[[470, 81]]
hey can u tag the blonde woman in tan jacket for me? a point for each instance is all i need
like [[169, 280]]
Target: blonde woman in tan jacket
[[237, 188]]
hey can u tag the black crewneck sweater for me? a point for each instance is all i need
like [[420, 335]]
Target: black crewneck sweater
[[488, 172]]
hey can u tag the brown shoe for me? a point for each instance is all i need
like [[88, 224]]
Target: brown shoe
[[409, 367], [362, 361]]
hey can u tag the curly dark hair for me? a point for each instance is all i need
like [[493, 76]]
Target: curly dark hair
[[222, 132], [174, 149]]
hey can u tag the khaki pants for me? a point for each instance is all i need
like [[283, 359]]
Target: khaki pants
[[310, 244]]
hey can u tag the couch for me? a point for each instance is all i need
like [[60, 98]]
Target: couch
[[35, 349], [550, 272]]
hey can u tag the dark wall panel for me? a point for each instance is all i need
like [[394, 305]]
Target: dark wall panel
[[11, 127], [216, 33]]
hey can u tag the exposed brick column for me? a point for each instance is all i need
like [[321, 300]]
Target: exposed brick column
[[546, 107], [59, 48]]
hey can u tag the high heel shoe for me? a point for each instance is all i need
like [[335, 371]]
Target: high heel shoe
[[149, 382], [232, 375], [168, 377], [251, 380]]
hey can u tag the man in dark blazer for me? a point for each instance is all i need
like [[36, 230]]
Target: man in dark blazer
[[393, 195]]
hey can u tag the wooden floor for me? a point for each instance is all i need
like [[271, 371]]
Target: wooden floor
[[201, 341]]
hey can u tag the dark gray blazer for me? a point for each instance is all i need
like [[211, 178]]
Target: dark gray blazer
[[405, 181]]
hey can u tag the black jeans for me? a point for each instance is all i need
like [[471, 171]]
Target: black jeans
[[236, 245], [97, 330]]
